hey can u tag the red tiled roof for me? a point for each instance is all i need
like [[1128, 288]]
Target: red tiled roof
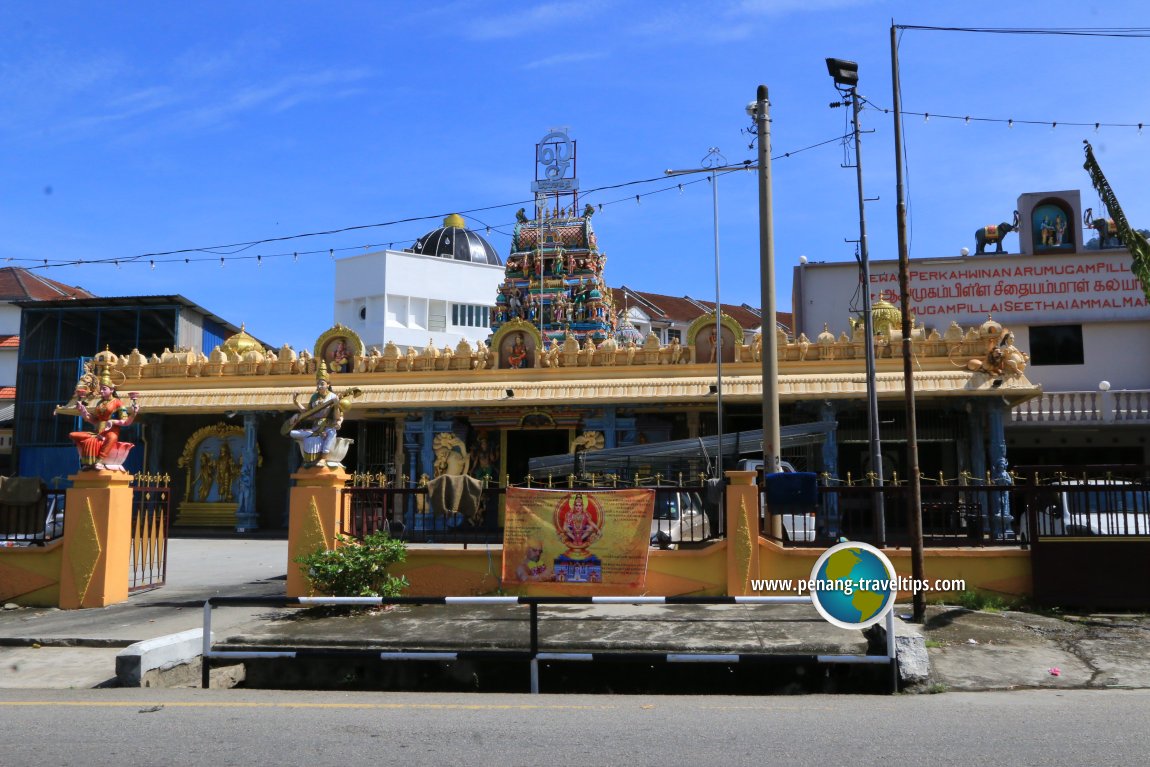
[[18, 284], [9, 342], [7, 392], [687, 309]]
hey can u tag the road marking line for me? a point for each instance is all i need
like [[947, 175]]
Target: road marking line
[[247, 704]]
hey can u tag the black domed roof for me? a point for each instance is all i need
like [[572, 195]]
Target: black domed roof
[[455, 240]]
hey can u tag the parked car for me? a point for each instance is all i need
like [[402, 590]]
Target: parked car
[[52, 529], [1092, 507], [679, 518]]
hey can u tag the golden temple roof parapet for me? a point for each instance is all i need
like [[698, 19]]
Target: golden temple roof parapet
[[419, 392], [976, 361]]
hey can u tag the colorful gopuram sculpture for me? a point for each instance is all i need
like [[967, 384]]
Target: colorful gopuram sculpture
[[554, 279]]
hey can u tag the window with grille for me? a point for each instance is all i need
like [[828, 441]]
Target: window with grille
[[470, 316]]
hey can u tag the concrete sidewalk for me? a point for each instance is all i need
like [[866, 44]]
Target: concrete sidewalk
[[52, 648]]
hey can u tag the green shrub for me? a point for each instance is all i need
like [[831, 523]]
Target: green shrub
[[356, 569], [980, 600]]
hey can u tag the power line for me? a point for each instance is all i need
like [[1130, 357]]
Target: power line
[[223, 253], [1128, 32]]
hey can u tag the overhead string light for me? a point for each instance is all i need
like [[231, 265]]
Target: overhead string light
[[175, 255], [1010, 122]]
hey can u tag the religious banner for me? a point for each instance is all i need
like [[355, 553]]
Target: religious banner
[[593, 541]]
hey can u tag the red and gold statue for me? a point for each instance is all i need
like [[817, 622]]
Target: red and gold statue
[[102, 448]]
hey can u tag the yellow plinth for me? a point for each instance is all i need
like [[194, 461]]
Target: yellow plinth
[[97, 540], [315, 519], [742, 510]]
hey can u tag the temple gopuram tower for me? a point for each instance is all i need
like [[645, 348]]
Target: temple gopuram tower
[[554, 274]]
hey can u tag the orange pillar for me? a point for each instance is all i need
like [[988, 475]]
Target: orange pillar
[[742, 510], [97, 540], [315, 518]]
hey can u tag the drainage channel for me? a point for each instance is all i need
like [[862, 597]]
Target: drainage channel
[[513, 668]]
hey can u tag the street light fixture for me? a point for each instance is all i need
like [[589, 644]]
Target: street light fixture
[[846, 77], [845, 73]]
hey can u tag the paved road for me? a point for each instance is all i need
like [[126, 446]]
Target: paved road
[[191, 728]]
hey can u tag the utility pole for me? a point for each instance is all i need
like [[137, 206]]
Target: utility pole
[[772, 459], [914, 512]]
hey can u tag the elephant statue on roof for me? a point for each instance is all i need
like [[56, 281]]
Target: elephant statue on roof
[[993, 234], [1107, 232]]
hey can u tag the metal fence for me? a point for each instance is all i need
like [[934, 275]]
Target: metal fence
[[684, 514], [407, 514], [952, 515], [151, 521], [965, 511], [32, 517], [1076, 501], [1047, 501]]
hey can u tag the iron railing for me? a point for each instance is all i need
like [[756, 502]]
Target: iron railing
[[1095, 501], [32, 522], [1045, 501], [151, 521], [952, 515], [1054, 501], [683, 513]]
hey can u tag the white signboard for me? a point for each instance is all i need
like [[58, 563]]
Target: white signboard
[[1014, 289]]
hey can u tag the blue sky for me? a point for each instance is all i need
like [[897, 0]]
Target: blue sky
[[131, 128]]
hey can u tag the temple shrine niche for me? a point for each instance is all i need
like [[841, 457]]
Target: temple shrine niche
[[554, 275], [215, 476]]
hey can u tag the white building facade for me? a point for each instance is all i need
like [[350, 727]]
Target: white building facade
[[440, 291], [1078, 312]]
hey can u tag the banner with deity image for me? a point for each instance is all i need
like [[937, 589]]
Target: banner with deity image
[[576, 541]]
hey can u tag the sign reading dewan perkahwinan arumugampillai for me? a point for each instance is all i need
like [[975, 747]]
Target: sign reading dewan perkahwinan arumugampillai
[[1087, 286]]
